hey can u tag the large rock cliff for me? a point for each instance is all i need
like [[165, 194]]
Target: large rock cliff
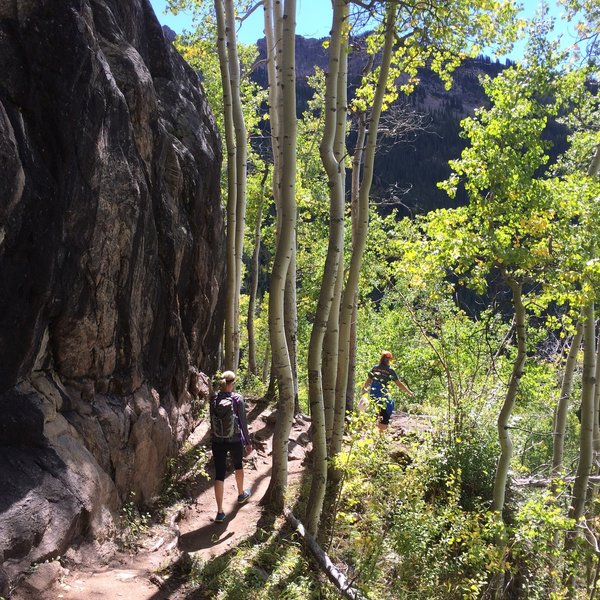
[[111, 264]]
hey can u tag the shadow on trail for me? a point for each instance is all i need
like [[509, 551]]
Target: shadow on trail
[[213, 567], [213, 534], [259, 407]]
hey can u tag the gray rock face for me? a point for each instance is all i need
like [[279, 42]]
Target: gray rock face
[[111, 265]]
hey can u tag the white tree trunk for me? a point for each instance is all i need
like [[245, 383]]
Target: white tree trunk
[[274, 497], [588, 391], [562, 406], [330, 355], [357, 159], [252, 363], [241, 139], [273, 28], [336, 175], [230, 145], [351, 288], [506, 445], [290, 308], [586, 432], [273, 46]]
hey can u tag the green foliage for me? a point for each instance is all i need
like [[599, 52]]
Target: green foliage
[[426, 39], [269, 565], [536, 558], [183, 472], [418, 528], [470, 456], [133, 523], [520, 217], [398, 540]]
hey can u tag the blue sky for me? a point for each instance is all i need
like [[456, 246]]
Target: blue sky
[[314, 20]]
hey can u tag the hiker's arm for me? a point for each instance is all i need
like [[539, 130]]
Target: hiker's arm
[[367, 385], [404, 388]]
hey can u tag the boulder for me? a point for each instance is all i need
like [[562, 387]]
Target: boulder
[[111, 265], [41, 581]]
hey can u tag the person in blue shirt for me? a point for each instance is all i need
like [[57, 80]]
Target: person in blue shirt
[[376, 385]]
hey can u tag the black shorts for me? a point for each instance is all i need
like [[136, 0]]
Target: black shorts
[[384, 416], [220, 450]]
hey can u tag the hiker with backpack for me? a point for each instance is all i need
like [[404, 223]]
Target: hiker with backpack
[[376, 386], [229, 432]]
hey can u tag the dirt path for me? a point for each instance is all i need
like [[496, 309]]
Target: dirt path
[[140, 575], [137, 576]]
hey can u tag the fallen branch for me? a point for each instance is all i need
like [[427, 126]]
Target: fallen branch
[[339, 579], [546, 481]]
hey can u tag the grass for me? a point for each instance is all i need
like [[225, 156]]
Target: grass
[[270, 564]]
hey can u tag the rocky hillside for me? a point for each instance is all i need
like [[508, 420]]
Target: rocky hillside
[[408, 169], [111, 265]]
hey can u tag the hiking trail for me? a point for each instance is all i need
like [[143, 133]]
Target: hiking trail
[[141, 573]]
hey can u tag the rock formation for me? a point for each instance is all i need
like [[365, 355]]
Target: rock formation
[[111, 265]]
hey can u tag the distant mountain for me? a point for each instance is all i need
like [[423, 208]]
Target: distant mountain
[[406, 172]]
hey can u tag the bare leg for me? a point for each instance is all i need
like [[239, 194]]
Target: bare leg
[[219, 495], [239, 480]]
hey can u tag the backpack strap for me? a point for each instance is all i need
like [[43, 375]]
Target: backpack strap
[[241, 421]]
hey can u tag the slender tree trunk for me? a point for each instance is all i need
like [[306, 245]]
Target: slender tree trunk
[[597, 402], [291, 321], [266, 365], [274, 497], [273, 45], [332, 335], [586, 432], [562, 407], [351, 379], [351, 288], [241, 139], [273, 26], [252, 364], [230, 144], [505, 440], [357, 160], [588, 392], [330, 355], [335, 174]]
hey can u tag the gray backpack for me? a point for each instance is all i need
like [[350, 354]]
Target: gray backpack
[[223, 419]]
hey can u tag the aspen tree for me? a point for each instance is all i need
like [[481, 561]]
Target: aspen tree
[[232, 189], [504, 438], [588, 394], [335, 119], [232, 342], [273, 28], [421, 37], [362, 220], [562, 406], [513, 215], [254, 265], [274, 496], [234, 129]]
